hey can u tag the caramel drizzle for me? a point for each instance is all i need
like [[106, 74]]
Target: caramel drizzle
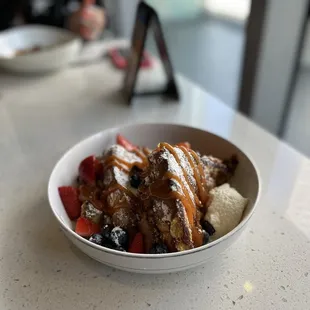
[[142, 155], [190, 209], [175, 155], [125, 166], [146, 151], [114, 161], [186, 199], [202, 175], [162, 190], [104, 195], [198, 173]]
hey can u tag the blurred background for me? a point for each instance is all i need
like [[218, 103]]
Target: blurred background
[[253, 55]]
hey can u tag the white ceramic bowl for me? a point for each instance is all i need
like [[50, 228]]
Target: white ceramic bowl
[[246, 181], [60, 47]]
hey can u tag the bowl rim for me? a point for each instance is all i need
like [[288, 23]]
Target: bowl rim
[[71, 37], [153, 256]]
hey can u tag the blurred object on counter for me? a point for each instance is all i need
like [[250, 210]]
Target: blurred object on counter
[[86, 18]]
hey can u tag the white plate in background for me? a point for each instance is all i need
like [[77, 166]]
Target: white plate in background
[[59, 47]]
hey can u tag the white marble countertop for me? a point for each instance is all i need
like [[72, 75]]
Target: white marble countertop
[[41, 117]]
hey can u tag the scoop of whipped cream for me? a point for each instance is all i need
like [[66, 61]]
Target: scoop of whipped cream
[[226, 209]]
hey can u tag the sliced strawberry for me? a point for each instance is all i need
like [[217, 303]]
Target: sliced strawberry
[[86, 228], [88, 169], [125, 143], [185, 144], [137, 244], [70, 198]]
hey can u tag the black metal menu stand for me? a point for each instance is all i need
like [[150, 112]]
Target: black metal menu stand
[[147, 19]]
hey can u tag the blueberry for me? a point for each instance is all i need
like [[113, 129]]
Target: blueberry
[[206, 237], [106, 231], [108, 243], [135, 176], [208, 228], [96, 238], [111, 245], [119, 237], [114, 238], [135, 181], [136, 170], [159, 249]]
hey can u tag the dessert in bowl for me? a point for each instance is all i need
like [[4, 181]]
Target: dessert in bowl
[[153, 203]]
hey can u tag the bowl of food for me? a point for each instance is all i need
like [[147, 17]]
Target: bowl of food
[[37, 49], [153, 198]]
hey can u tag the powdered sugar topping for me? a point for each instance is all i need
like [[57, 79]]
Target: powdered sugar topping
[[89, 211], [175, 168], [120, 152], [116, 174], [186, 166], [121, 177], [161, 207]]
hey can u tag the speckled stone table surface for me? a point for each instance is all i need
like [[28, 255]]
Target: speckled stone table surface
[[41, 117]]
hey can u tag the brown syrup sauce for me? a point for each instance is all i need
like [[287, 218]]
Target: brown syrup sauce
[[125, 166], [189, 205], [160, 190]]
